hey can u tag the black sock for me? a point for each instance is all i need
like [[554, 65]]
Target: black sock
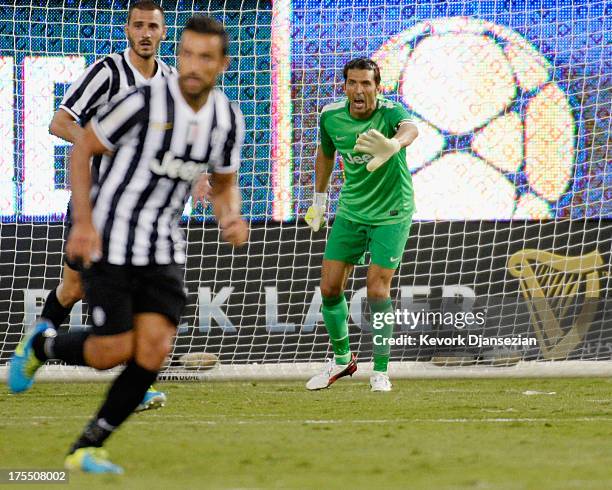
[[54, 311], [94, 435], [124, 395], [67, 347], [38, 346]]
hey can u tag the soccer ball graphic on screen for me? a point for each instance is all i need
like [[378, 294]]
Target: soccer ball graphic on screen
[[496, 133]]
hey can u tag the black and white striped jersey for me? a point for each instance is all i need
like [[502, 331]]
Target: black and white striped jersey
[[102, 81], [160, 147]]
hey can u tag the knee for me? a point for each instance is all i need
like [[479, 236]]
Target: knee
[[70, 292], [152, 350], [330, 290], [107, 352], [378, 290]]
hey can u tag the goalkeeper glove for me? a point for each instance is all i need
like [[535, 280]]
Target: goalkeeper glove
[[377, 145], [315, 216]]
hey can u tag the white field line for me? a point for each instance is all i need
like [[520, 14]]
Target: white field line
[[187, 420]]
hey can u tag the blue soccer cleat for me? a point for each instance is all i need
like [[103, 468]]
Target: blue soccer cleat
[[91, 460], [153, 399], [24, 363]]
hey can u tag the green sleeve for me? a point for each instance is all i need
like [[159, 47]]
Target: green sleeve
[[326, 142], [397, 114]]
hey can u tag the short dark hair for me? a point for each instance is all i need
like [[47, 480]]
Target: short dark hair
[[145, 5], [362, 64], [202, 24]]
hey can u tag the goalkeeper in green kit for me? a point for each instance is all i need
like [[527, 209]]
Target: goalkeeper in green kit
[[374, 213]]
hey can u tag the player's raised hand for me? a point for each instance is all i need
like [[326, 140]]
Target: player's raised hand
[[379, 146], [234, 230], [315, 215], [84, 244]]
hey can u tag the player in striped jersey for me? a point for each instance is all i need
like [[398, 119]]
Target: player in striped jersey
[[105, 79], [163, 138]]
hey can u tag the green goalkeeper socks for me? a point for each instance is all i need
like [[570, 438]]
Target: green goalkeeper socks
[[380, 347], [335, 314]]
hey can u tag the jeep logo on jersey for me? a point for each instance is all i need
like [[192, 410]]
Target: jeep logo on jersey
[[177, 168], [358, 160]]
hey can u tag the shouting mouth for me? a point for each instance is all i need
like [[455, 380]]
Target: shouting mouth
[[359, 103]]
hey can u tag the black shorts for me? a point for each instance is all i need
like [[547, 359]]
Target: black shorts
[[116, 293]]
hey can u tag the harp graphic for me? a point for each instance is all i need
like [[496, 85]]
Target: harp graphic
[[555, 287]]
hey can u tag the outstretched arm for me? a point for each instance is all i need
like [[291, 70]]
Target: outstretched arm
[[382, 148], [406, 134]]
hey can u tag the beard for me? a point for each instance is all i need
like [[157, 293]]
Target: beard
[[139, 51], [197, 88]]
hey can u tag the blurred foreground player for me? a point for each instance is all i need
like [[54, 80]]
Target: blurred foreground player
[[164, 137], [374, 214], [137, 65]]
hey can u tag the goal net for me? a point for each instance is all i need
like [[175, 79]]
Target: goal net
[[507, 269]]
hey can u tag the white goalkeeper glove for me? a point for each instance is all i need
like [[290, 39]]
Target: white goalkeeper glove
[[315, 216], [376, 144]]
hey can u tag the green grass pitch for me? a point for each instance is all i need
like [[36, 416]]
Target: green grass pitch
[[438, 434]]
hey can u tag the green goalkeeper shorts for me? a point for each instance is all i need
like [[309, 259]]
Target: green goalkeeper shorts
[[349, 241]]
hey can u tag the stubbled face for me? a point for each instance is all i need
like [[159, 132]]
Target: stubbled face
[[361, 91], [200, 62], [145, 31]]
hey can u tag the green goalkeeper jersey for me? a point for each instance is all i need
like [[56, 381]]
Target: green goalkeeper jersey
[[384, 196]]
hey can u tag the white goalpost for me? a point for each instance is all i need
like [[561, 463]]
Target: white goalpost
[[507, 271]]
